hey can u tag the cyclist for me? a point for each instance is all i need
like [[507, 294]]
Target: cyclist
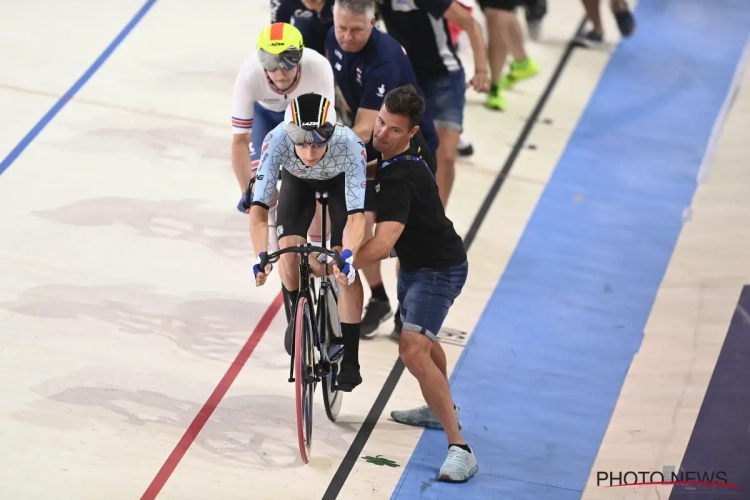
[[311, 153], [281, 70]]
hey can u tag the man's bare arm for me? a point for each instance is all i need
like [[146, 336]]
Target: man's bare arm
[[259, 229], [364, 123], [241, 163], [379, 246], [464, 20], [354, 232]]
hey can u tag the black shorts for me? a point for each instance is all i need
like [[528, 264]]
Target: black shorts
[[295, 209], [500, 4]]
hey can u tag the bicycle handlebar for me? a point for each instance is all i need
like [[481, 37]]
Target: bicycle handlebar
[[303, 248]]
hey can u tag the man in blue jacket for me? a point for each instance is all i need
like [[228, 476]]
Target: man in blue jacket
[[367, 64]]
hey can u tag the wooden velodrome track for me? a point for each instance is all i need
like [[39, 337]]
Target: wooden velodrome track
[[605, 317]]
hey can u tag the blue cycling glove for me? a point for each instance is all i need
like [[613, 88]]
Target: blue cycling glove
[[256, 267], [348, 269], [243, 205]]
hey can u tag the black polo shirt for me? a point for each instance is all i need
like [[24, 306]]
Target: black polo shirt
[[418, 146], [419, 26], [407, 193]]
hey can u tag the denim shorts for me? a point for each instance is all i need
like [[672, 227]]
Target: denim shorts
[[445, 97], [426, 296]]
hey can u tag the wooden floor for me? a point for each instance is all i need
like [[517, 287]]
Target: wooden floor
[[137, 359]]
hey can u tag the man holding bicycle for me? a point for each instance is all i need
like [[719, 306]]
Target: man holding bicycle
[[434, 267], [311, 153]]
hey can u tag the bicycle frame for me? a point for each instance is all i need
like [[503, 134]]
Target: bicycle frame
[[321, 317], [320, 311]]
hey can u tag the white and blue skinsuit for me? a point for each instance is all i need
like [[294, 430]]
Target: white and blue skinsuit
[[346, 154]]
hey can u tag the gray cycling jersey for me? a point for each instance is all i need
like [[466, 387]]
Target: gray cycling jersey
[[346, 154]]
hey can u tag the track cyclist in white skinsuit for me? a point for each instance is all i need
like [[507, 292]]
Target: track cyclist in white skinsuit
[[267, 82], [310, 153]]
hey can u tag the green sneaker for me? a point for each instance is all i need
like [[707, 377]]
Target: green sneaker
[[495, 98], [519, 70]]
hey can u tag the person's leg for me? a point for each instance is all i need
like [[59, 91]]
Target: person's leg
[[378, 308], [594, 14], [465, 148], [497, 53], [273, 246], [535, 12], [505, 35], [296, 209], [522, 67], [415, 351], [438, 357], [427, 296], [446, 97], [595, 36], [446, 287], [351, 297]]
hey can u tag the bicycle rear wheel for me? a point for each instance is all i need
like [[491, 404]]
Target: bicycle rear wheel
[[304, 376], [332, 328]]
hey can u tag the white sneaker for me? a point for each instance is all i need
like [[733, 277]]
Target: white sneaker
[[459, 466], [422, 416]]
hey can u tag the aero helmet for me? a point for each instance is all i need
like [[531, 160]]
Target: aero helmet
[[310, 120], [280, 47]]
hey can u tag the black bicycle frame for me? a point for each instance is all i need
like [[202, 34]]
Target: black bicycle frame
[[321, 311], [322, 317]]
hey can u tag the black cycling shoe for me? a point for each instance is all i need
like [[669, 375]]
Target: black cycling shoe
[[349, 376], [289, 337], [376, 312]]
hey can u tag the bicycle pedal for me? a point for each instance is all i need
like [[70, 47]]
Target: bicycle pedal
[[343, 388], [290, 379]]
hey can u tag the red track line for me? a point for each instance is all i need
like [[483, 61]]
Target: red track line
[[174, 458]]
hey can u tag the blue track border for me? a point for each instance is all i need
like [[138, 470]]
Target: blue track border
[[542, 372], [75, 88]]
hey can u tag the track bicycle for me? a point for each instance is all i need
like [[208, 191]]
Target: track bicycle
[[317, 349]]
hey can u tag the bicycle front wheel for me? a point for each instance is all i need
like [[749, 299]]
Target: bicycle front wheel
[[332, 328], [304, 376]]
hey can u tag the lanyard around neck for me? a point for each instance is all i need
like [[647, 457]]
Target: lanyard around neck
[[406, 158]]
